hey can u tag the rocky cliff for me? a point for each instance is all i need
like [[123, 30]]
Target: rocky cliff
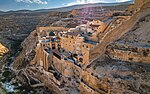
[[27, 54], [122, 77], [135, 43], [126, 75], [118, 31]]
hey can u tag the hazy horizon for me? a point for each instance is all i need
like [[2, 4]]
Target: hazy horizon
[[13, 5]]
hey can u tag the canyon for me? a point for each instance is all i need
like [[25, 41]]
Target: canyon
[[86, 52]]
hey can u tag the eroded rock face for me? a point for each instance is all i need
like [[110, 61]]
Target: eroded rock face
[[3, 50], [140, 3], [131, 77], [137, 6], [122, 76], [139, 35], [27, 53], [134, 45]]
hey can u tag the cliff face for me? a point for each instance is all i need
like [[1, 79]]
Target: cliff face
[[122, 77], [135, 43], [139, 35], [128, 57], [27, 53], [126, 60], [118, 31], [140, 3]]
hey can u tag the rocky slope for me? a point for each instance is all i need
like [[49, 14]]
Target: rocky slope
[[122, 29], [14, 28], [139, 35], [129, 77], [124, 77], [27, 53]]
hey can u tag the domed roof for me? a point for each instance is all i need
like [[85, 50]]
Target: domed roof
[[51, 34]]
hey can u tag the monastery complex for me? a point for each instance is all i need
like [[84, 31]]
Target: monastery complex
[[68, 51], [65, 53]]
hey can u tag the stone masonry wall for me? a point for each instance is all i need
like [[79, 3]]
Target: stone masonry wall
[[127, 56]]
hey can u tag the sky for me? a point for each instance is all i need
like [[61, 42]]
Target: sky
[[7, 5]]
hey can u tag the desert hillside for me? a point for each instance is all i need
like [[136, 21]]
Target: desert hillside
[[89, 50]]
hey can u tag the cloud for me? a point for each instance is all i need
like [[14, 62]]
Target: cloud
[[122, 0], [93, 1], [33, 1], [83, 2]]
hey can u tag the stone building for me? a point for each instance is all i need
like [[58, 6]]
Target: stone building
[[67, 51], [73, 44], [76, 43]]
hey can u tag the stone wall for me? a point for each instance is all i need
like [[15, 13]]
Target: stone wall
[[85, 89], [77, 45], [52, 28], [42, 58], [129, 53], [89, 83], [127, 56], [66, 68], [97, 84]]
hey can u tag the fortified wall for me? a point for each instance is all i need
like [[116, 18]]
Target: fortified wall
[[88, 83], [129, 53], [65, 54]]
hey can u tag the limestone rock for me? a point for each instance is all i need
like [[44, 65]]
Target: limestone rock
[[3, 50]]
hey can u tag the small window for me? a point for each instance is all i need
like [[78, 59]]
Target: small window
[[130, 59], [81, 59], [72, 37], [87, 47], [147, 50]]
